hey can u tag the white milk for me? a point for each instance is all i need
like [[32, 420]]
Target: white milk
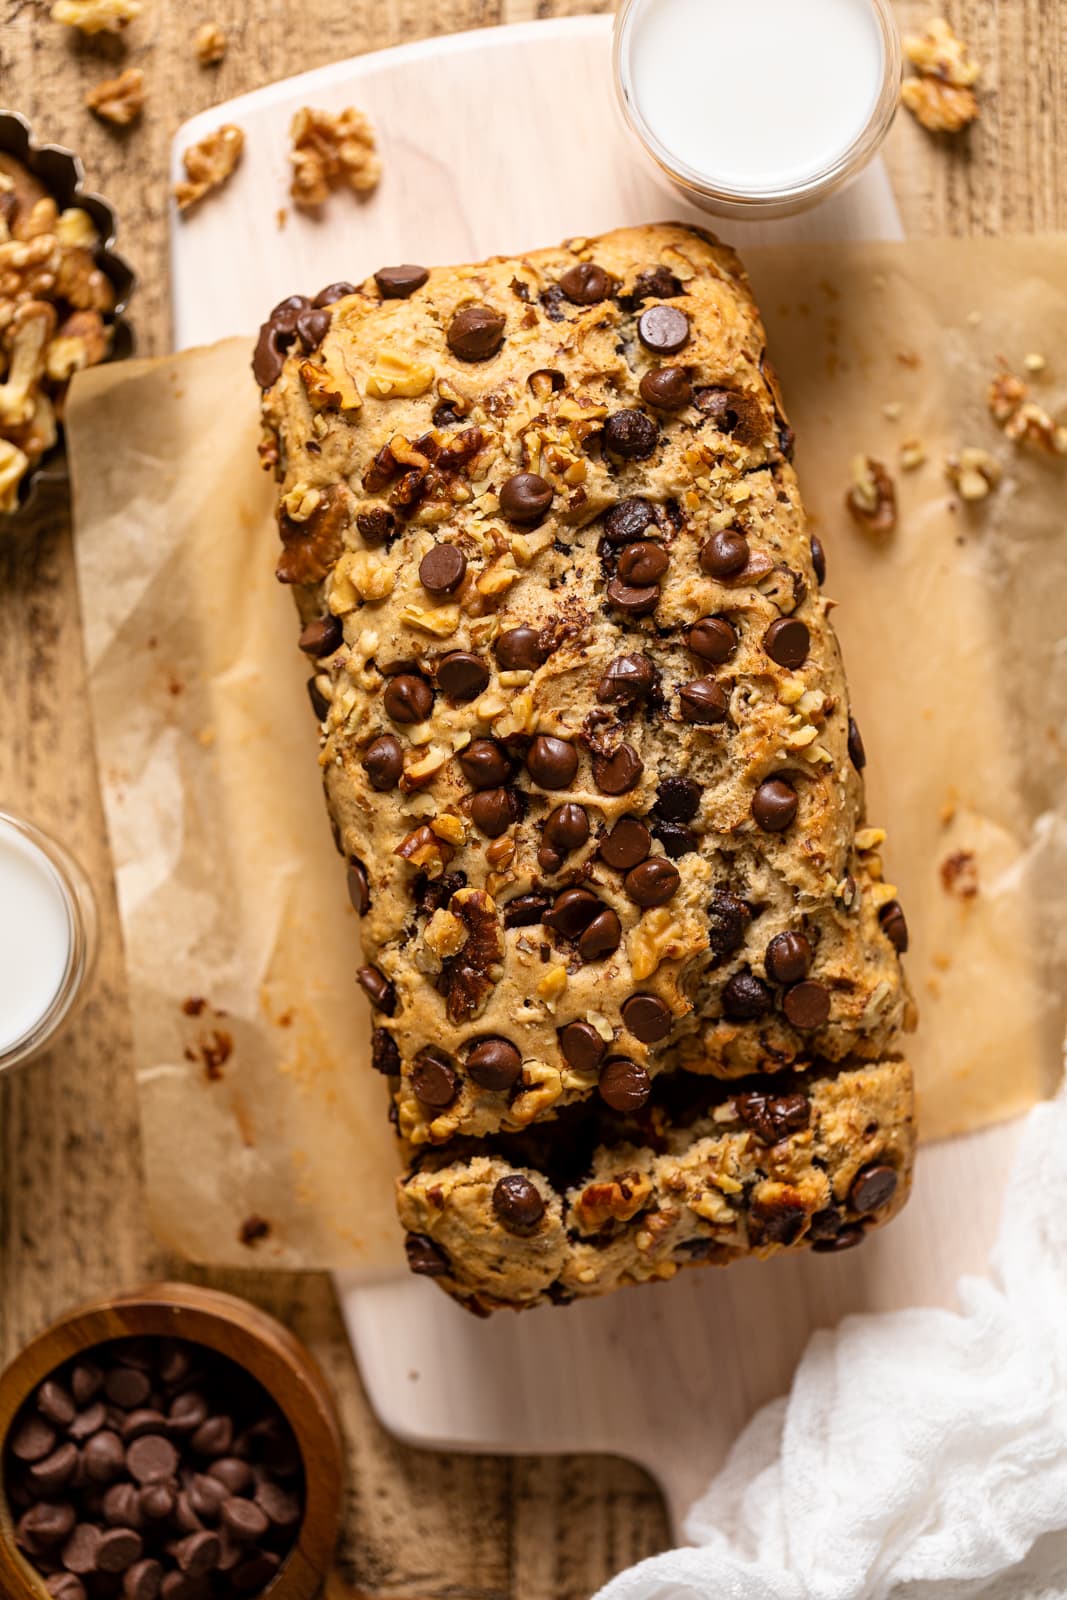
[[35, 935], [756, 95]]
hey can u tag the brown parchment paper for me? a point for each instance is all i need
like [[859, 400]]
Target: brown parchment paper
[[258, 1103]]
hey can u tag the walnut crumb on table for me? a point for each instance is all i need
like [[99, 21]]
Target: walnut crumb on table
[[330, 149], [209, 164], [120, 100], [974, 473], [96, 16], [872, 497], [941, 96], [1021, 419], [210, 44]]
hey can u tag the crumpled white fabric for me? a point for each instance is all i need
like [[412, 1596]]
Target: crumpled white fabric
[[919, 1453]]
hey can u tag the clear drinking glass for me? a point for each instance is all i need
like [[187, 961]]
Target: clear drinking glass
[[56, 882], [755, 202]]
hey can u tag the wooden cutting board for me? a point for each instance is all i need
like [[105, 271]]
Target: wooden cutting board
[[492, 141]]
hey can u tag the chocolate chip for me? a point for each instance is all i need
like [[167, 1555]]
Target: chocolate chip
[[476, 333], [653, 882], [65, 1586], [787, 641], [313, 326], [525, 499], [585, 284], [213, 1437], [703, 702], [425, 1258], [654, 283], [519, 650], [234, 1474], [103, 1458], [677, 840], [79, 1552], [667, 388], [89, 1421], [788, 958], [442, 569], [714, 639], [494, 1064], [433, 1079], [245, 1521], [627, 680], [525, 910], [772, 1118], [198, 1553], [322, 636], [647, 1017], [725, 554], [494, 810], [384, 1053], [33, 1440], [774, 805], [396, 283], [843, 1240], [642, 563], [46, 1524], [746, 997], [677, 800], [551, 762], [894, 925], [383, 762], [142, 1581], [856, 753], [874, 1186], [517, 1203], [778, 1222], [157, 1501], [151, 1459], [635, 602], [377, 526], [208, 1495], [118, 1549], [567, 828], [581, 1046], [572, 912], [86, 1381], [807, 1005], [408, 699], [378, 989], [663, 329], [319, 703], [281, 1507], [624, 1085], [358, 887], [628, 520], [618, 772], [333, 292], [484, 764], [627, 845], [55, 1404], [188, 1410], [275, 336], [602, 937], [630, 435], [462, 676], [51, 1474], [818, 558]]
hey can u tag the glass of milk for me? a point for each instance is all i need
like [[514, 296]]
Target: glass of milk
[[48, 939], [758, 108]]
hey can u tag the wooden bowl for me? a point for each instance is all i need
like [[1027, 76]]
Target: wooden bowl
[[248, 1337]]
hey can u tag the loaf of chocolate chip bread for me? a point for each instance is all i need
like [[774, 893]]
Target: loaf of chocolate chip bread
[[586, 746]]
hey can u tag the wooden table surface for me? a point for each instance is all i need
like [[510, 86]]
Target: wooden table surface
[[71, 1214]]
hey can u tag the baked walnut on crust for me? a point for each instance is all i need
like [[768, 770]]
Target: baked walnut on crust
[[55, 309], [209, 164], [330, 149], [585, 733]]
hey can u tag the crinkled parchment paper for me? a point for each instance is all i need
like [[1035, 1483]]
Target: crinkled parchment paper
[[260, 1108]]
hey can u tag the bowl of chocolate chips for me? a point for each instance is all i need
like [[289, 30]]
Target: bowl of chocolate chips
[[173, 1443]]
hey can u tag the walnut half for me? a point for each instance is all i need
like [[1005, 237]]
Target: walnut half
[[209, 164], [941, 97], [329, 149], [872, 498], [96, 16], [120, 100]]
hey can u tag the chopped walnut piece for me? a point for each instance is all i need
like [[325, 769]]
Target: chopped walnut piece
[[82, 341], [959, 875], [210, 44], [942, 96], [1032, 424], [912, 454], [76, 229], [872, 499], [1034, 362], [1006, 395], [14, 464], [96, 16], [118, 100], [208, 164], [329, 149], [975, 473], [27, 339]]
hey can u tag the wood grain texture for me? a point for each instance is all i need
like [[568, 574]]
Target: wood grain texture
[[71, 1218]]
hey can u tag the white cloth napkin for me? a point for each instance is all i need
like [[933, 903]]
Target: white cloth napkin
[[920, 1453]]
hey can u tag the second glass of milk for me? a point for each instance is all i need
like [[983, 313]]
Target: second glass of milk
[[48, 937], [758, 107]]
